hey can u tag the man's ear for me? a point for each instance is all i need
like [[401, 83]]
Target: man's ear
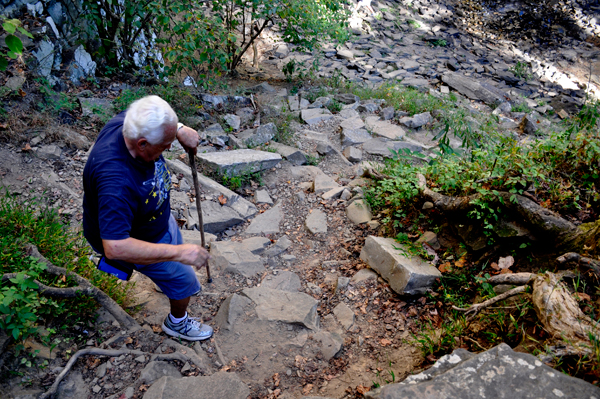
[[142, 143]]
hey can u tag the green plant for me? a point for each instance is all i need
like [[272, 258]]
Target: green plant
[[12, 42], [439, 43], [521, 70], [521, 107], [312, 160], [215, 38], [413, 24], [289, 68], [335, 106]]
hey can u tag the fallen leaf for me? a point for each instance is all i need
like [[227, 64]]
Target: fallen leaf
[[581, 296], [222, 199], [385, 342], [461, 262], [506, 271], [444, 267], [22, 93], [361, 389], [3, 125], [63, 278], [307, 389], [494, 266], [26, 148], [505, 263]]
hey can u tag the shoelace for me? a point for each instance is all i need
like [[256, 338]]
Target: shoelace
[[191, 323]]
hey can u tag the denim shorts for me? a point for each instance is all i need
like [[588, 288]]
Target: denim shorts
[[176, 280]]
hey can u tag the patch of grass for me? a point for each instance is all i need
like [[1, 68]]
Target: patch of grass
[[521, 70], [283, 121], [439, 43], [35, 222], [413, 24], [521, 107], [182, 101], [313, 160], [335, 106]]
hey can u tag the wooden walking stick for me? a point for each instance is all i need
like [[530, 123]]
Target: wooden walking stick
[[198, 206]]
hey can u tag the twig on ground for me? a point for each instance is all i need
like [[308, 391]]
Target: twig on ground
[[474, 309]]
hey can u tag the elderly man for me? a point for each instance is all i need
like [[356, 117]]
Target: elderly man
[[126, 211]]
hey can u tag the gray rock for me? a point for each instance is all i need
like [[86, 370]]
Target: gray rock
[[73, 387], [324, 148], [416, 120], [263, 197], [233, 257], [331, 344], [51, 151], [368, 107], [474, 89], [363, 275], [233, 121], [193, 237], [282, 51], [406, 275], [282, 281], [359, 212], [315, 115], [417, 83], [243, 207], [15, 82], [222, 385], [45, 58], [316, 222], [320, 102], [238, 162], [216, 217], [267, 222], [344, 315], [384, 128], [345, 54], [353, 154], [232, 308], [333, 193], [246, 114], [347, 98], [490, 374], [430, 238], [74, 139], [294, 155], [353, 137], [387, 113], [256, 245], [353, 123], [284, 306], [348, 113], [82, 65], [155, 370], [323, 183], [380, 147], [279, 247], [264, 87]]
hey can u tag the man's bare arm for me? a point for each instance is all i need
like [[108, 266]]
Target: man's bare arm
[[188, 138], [144, 253]]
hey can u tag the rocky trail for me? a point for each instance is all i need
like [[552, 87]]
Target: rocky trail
[[305, 301]]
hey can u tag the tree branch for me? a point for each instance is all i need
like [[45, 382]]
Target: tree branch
[[478, 307]]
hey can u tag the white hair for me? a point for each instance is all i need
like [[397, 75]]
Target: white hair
[[148, 117]]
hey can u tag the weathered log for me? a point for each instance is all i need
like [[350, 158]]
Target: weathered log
[[514, 279], [84, 288], [543, 222], [560, 314]]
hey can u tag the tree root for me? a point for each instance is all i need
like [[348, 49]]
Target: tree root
[[113, 353], [587, 263], [513, 279], [84, 288], [472, 310]]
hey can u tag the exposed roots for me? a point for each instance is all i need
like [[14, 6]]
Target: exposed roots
[[581, 261], [84, 288], [472, 310]]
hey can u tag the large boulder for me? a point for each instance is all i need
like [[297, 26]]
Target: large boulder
[[406, 274], [233, 257], [474, 89], [497, 373]]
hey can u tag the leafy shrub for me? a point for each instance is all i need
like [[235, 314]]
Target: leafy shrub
[[12, 42]]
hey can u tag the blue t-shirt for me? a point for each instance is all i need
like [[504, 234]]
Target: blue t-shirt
[[123, 197]]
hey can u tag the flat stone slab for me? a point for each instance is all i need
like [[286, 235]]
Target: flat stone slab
[[221, 385], [279, 247], [216, 218], [256, 245], [282, 281], [236, 202], [316, 222], [315, 115], [268, 222], [353, 123], [473, 88], [232, 308], [263, 197], [344, 315], [384, 128], [355, 136], [285, 306], [323, 183], [383, 148], [238, 162], [407, 275], [233, 257], [497, 373], [261, 135], [294, 155]]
